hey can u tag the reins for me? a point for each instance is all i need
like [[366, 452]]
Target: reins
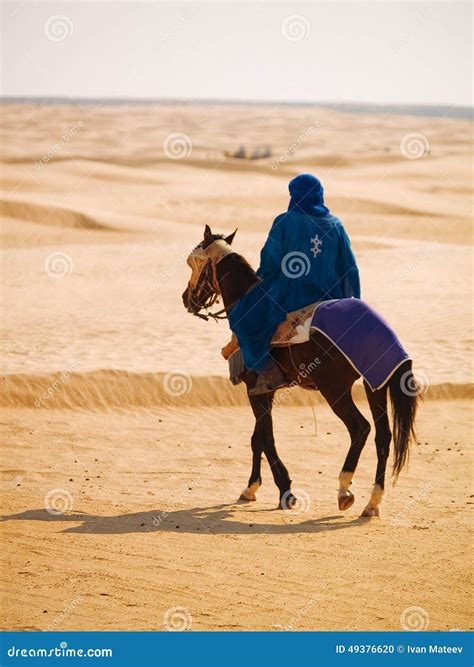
[[207, 280]]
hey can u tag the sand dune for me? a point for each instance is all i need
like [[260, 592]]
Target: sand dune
[[109, 389], [48, 214]]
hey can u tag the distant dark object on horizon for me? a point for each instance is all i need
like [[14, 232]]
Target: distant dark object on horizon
[[254, 154]]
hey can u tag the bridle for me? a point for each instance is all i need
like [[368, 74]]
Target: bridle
[[203, 290]]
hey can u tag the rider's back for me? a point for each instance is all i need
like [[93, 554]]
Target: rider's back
[[306, 259]]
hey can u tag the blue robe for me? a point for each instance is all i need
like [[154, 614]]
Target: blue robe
[[306, 258]]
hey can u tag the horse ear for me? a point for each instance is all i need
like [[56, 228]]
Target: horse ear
[[230, 238], [207, 233]]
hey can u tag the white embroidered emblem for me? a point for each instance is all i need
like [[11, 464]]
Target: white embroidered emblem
[[316, 244]]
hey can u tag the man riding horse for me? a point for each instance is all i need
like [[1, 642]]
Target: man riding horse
[[306, 258]]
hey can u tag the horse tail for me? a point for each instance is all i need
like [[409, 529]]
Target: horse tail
[[404, 396]]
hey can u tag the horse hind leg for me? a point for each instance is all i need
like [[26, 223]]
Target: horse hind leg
[[342, 404], [378, 406]]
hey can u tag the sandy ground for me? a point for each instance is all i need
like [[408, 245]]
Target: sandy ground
[[153, 524], [115, 408]]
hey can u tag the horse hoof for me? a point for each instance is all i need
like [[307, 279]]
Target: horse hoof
[[346, 500], [249, 498], [371, 511], [250, 493], [287, 501]]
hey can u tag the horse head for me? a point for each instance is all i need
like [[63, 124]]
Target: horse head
[[202, 290]]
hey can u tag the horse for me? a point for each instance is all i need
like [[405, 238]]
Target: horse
[[217, 272]]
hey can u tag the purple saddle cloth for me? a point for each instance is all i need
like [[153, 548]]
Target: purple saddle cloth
[[363, 336]]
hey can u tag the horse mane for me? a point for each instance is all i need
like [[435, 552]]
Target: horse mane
[[235, 276], [240, 262]]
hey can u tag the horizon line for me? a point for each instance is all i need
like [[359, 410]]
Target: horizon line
[[457, 110]]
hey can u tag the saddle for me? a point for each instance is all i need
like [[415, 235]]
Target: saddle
[[295, 329]]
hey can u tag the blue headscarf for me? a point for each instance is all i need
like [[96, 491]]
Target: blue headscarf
[[307, 195]]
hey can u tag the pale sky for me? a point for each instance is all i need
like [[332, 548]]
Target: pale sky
[[393, 52]]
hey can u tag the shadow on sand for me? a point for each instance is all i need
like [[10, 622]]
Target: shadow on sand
[[217, 519]]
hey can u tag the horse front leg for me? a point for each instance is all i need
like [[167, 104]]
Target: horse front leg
[[260, 406], [255, 479], [263, 441]]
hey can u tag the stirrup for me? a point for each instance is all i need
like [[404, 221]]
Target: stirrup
[[267, 382]]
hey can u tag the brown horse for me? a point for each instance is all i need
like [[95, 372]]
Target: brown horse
[[217, 271]]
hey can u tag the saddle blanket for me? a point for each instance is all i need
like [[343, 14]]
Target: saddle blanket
[[366, 340], [357, 330]]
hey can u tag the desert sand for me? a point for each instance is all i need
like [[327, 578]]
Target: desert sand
[[125, 447]]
